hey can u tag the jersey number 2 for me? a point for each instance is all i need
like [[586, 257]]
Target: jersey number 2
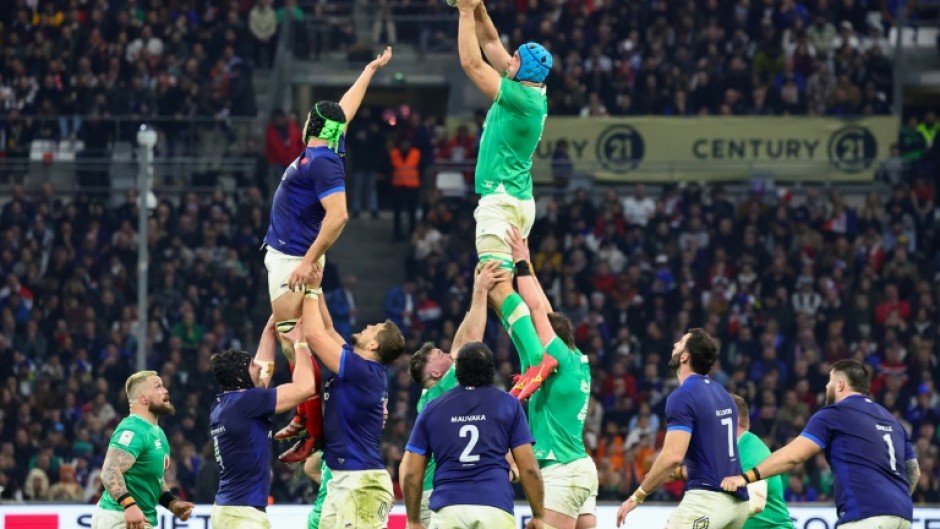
[[467, 456], [727, 422], [891, 453]]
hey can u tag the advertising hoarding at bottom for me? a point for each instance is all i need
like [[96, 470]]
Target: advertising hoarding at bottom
[[54, 516]]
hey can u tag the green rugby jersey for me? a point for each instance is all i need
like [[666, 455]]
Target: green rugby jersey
[[775, 514], [557, 411], [445, 384], [511, 132], [148, 444]]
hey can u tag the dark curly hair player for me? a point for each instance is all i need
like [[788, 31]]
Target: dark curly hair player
[[469, 430], [240, 423]]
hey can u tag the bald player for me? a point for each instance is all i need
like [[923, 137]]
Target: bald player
[[136, 461]]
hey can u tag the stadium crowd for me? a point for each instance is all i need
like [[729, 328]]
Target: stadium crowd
[[787, 284], [722, 57]]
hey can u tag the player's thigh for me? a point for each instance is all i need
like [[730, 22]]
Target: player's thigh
[[878, 522], [364, 500], [472, 517], [526, 212], [570, 491], [426, 512], [587, 521], [287, 306], [232, 517], [280, 266], [701, 509]]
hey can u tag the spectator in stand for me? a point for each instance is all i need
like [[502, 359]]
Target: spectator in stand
[[282, 142], [406, 185], [262, 21]]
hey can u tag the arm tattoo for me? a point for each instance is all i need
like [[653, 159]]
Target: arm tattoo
[[116, 463], [913, 474]]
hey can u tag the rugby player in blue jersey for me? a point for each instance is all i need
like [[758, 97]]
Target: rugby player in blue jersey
[[307, 216], [469, 430], [240, 423], [870, 453], [360, 494], [701, 426]]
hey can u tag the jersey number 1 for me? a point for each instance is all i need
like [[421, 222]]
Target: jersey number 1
[[467, 456], [891, 453]]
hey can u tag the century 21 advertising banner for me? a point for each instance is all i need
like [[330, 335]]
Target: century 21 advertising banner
[[718, 148]]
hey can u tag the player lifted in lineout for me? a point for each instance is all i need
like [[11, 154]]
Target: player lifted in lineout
[[307, 216], [511, 132]]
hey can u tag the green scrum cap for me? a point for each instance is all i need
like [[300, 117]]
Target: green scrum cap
[[331, 131]]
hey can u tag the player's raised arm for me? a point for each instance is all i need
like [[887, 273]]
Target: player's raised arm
[[303, 382], [471, 60], [474, 323], [354, 96], [489, 40], [320, 341], [328, 323], [529, 287], [264, 356]]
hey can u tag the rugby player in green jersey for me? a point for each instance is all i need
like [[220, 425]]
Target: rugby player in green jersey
[[511, 131], [433, 369], [137, 458], [558, 409]]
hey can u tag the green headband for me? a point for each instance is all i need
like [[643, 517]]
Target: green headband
[[332, 130]]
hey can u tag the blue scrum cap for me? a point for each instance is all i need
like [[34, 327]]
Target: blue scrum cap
[[535, 63]]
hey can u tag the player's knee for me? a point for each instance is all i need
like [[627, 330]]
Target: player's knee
[[285, 326]]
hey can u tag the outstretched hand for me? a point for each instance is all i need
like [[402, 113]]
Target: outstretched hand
[[520, 246], [490, 274], [381, 59]]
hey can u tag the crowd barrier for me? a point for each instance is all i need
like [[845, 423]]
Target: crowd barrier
[[52, 516]]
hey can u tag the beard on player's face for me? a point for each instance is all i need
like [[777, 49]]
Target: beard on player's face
[[675, 361], [162, 407], [830, 395]]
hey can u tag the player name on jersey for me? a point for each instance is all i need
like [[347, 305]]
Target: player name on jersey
[[468, 418]]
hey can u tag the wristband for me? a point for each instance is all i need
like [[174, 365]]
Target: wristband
[[751, 475], [301, 344], [167, 498], [126, 501], [522, 269], [313, 293], [639, 495]]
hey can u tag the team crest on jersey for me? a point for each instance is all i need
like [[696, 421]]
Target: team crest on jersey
[[125, 438], [157, 444]]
